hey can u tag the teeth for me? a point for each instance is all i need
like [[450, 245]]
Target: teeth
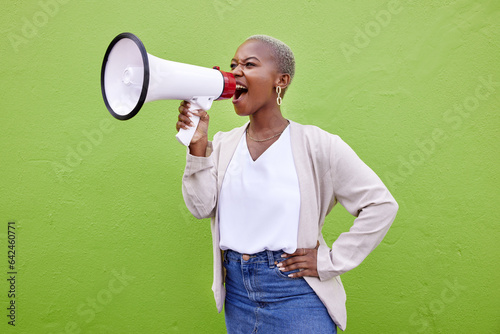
[[240, 87]]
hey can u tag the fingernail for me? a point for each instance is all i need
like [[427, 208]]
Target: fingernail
[[280, 264], [283, 255], [282, 268], [291, 275]]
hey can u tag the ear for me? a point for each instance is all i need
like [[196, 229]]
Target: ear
[[283, 80]]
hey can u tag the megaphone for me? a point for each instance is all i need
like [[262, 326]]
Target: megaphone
[[130, 77]]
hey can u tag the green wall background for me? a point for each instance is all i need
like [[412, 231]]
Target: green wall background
[[104, 243]]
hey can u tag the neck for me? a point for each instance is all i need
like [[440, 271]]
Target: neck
[[267, 123]]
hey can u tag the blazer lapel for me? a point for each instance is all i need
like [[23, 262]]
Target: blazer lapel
[[308, 227], [227, 149]]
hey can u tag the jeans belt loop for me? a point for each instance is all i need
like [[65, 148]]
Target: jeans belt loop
[[270, 258]]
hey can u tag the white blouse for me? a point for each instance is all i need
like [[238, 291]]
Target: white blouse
[[259, 203]]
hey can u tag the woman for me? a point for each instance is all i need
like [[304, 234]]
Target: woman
[[267, 187]]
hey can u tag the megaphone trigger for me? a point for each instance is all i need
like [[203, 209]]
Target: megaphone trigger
[[203, 102]]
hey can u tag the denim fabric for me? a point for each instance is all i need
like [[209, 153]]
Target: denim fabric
[[262, 299]]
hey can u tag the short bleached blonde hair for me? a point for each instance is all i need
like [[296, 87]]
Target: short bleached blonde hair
[[285, 59]]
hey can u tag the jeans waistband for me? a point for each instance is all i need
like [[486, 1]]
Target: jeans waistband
[[266, 256]]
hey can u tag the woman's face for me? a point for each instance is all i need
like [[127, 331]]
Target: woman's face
[[256, 77]]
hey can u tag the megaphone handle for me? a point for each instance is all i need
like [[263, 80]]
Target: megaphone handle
[[184, 136]]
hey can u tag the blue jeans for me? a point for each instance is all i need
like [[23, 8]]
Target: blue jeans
[[262, 299]]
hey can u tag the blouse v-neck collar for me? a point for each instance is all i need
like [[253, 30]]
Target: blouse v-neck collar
[[270, 148]]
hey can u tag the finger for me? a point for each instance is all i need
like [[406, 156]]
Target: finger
[[302, 273], [293, 267], [181, 125], [299, 273], [199, 112], [298, 251], [185, 119], [183, 107], [185, 104], [297, 264], [294, 259], [307, 269], [186, 107]]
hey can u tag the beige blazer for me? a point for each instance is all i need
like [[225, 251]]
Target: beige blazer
[[329, 172]]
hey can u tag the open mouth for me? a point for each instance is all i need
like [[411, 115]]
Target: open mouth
[[239, 93]]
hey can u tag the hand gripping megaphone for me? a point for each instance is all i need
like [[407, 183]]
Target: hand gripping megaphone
[[130, 77]]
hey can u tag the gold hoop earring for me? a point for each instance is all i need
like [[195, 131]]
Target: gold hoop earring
[[278, 99]]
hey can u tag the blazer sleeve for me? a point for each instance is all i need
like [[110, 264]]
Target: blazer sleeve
[[199, 184], [361, 192]]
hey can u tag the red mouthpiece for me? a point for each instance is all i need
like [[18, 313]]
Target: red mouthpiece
[[229, 84]]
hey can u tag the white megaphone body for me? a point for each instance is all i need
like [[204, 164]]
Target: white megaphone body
[[130, 77]]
